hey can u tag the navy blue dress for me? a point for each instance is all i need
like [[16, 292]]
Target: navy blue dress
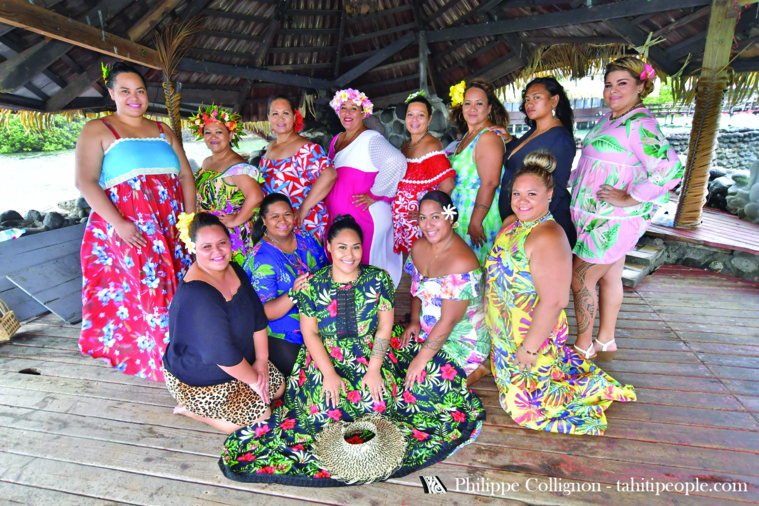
[[560, 143]]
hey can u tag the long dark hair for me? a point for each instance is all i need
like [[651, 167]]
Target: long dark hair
[[259, 229], [123, 68], [498, 115], [563, 109], [202, 220], [443, 199], [342, 222]]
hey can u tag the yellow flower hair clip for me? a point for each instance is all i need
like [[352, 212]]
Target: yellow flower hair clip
[[457, 93], [183, 225]]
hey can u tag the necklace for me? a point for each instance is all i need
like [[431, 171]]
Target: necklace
[[630, 109], [429, 265], [530, 224], [460, 147], [412, 146], [299, 266]]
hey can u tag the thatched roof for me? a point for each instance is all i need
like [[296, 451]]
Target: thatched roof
[[248, 50]]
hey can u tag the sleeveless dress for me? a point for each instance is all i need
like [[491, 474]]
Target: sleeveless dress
[[464, 196], [629, 152], [469, 341], [294, 177], [126, 291], [563, 392], [437, 416], [370, 165], [423, 174], [216, 195]]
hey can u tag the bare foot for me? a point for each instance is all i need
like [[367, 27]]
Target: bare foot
[[180, 410], [477, 375]]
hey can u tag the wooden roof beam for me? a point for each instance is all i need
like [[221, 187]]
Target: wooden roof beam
[[545, 41], [500, 67], [746, 65], [690, 45], [20, 69], [484, 6], [294, 49], [440, 11], [214, 13], [232, 35], [388, 82], [374, 60], [257, 74], [685, 20], [604, 12], [22, 14], [151, 19], [378, 14], [310, 31], [387, 31], [271, 32], [637, 37]]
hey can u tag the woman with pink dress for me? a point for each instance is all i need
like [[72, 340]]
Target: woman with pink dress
[[368, 169], [428, 169], [626, 170]]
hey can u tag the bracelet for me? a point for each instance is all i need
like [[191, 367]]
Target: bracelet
[[528, 352]]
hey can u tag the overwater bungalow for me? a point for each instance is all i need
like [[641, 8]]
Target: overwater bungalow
[[75, 431]]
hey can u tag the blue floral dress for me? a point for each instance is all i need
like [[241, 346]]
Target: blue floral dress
[[437, 416]]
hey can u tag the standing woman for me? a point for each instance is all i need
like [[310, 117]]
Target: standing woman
[[227, 185], [542, 383], [428, 169], [626, 170], [368, 169], [280, 264], [478, 162], [135, 176], [551, 121], [297, 168]]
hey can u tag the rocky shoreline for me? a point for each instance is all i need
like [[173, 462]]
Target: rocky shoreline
[[70, 212]]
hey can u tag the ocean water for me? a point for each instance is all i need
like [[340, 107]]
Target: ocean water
[[41, 180]]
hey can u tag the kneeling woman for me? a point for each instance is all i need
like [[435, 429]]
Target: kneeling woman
[[446, 290], [349, 370], [281, 262], [543, 384], [216, 364]]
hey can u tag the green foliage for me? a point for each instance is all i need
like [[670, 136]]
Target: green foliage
[[16, 139], [665, 95]]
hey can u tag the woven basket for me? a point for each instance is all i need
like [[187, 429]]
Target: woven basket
[[8, 322]]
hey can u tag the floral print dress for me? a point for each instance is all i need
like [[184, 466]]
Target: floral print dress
[[437, 416], [629, 152], [562, 392], [216, 195], [469, 341]]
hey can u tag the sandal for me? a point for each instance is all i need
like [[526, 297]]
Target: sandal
[[603, 354], [587, 353]]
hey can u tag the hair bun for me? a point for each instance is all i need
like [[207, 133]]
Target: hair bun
[[541, 159], [343, 217]]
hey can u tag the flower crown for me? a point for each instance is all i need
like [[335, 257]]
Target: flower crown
[[216, 114], [420, 93], [106, 69], [457, 93], [299, 124], [648, 72], [359, 98], [183, 226]]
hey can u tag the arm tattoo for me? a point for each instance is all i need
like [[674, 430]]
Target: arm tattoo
[[380, 349], [481, 206], [435, 343]]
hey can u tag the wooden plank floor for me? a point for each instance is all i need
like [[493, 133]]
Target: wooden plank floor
[[82, 433], [718, 229]]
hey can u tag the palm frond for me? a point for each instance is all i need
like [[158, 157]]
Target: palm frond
[[172, 44]]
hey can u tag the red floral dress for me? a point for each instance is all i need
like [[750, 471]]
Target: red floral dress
[[126, 291], [423, 174], [294, 177]]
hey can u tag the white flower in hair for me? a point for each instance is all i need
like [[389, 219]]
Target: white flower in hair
[[449, 212]]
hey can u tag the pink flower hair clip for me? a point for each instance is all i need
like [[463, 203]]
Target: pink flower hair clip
[[648, 72]]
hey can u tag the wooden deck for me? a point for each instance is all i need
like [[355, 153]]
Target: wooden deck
[[82, 433], [719, 229]]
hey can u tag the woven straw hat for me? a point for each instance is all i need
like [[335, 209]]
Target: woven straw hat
[[374, 460]]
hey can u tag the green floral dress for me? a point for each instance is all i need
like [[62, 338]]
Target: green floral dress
[[216, 195], [437, 416]]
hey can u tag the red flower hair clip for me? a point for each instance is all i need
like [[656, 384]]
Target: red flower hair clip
[[299, 124]]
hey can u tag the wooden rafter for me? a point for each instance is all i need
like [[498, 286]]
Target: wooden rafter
[[151, 18], [484, 6], [637, 37], [21, 68], [604, 12], [374, 60], [545, 41], [271, 31], [232, 35], [250, 18], [257, 74], [49, 24], [380, 33], [440, 11], [685, 20], [378, 14], [689, 45]]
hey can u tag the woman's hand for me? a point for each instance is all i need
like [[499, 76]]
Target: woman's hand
[[261, 386], [616, 197], [412, 330], [413, 215], [373, 381], [300, 216], [363, 201], [525, 361], [262, 369], [131, 234], [501, 132], [231, 220], [301, 282], [414, 373], [331, 388], [476, 234]]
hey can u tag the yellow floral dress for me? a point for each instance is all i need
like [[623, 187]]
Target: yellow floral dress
[[563, 392]]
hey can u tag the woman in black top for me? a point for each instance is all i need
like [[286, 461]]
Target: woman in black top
[[217, 362], [550, 117]]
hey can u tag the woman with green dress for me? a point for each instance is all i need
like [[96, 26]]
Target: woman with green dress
[[353, 366], [226, 184], [478, 162], [543, 384]]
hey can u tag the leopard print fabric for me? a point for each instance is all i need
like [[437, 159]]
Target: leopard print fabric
[[233, 401]]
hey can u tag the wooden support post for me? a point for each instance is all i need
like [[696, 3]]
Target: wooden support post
[[710, 92], [423, 52]]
